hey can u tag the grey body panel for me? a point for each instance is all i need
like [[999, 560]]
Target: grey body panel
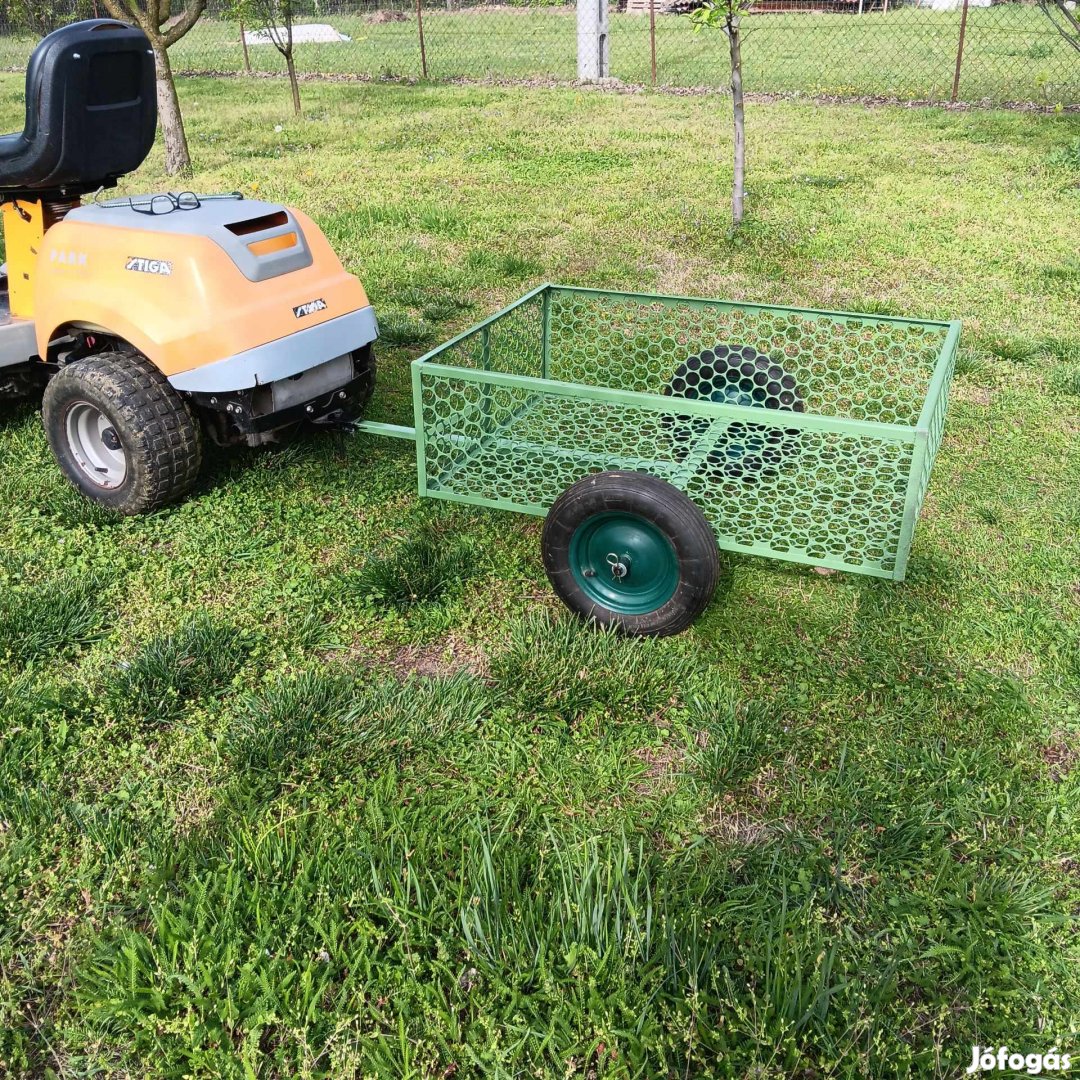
[[282, 358], [17, 340], [209, 219]]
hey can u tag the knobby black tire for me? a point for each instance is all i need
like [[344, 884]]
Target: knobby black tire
[[672, 512], [364, 366], [162, 440]]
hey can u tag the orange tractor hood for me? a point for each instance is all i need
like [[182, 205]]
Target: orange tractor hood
[[193, 287]]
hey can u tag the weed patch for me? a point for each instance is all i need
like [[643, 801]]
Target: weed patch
[[324, 727], [401, 329]]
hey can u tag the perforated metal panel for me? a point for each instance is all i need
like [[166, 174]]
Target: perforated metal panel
[[804, 435]]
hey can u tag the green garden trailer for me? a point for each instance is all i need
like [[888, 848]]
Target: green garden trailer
[[653, 431]]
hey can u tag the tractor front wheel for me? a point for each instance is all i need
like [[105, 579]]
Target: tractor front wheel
[[122, 435], [629, 550]]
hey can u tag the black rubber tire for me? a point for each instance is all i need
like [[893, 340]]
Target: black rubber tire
[[759, 375], [670, 511], [364, 364], [365, 368], [161, 438]]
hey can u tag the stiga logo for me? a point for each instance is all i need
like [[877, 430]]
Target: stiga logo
[[309, 308], [987, 1059], [148, 266]]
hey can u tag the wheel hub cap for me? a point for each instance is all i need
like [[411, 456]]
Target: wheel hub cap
[[624, 563], [95, 445]]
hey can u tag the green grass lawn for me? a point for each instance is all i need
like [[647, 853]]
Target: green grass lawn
[[1012, 51], [306, 777]]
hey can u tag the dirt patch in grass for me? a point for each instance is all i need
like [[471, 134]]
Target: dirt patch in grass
[[440, 659], [742, 816], [196, 804], [379, 17], [1060, 757], [724, 821], [662, 764], [972, 395]]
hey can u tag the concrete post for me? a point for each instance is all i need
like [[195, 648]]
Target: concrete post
[[592, 40]]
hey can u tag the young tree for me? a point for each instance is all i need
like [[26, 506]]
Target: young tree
[[1066, 19], [726, 15], [154, 18], [244, 48], [275, 18]]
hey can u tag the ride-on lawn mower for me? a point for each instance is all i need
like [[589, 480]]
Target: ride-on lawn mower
[[151, 321]]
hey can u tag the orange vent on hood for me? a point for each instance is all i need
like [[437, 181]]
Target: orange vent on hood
[[272, 244]]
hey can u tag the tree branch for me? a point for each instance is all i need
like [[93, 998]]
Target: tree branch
[[184, 23], [1072, 34], [267, 13], [126, 11]]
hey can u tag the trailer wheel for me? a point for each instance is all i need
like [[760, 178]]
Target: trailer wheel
[[736, 375], [122, 435], [630, 550]]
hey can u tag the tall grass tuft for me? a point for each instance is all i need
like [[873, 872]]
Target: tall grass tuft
[[562, 668], [1066, 380], [53, 619], [194, 662], [326, 725], [734, 738], [424, 569], [502, 264], [402, 329], [1017, 350], [972, 363]]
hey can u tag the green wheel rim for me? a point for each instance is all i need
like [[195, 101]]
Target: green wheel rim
[[624, 563]]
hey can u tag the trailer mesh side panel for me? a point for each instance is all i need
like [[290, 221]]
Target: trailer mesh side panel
[[802, 435]]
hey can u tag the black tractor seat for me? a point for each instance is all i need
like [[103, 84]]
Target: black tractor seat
[[91, 112]]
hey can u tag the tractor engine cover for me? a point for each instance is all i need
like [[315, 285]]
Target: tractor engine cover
[[220, 293]]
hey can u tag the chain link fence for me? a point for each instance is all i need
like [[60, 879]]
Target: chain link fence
[[938, 50]]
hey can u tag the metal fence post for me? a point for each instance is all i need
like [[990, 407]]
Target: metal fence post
[[959, 52], [420, 28], [652, 38], [592, 40]]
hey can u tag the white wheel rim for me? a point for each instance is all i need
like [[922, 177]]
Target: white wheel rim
[[95, 445]]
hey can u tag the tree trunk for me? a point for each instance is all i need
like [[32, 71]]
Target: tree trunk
[[177, 158], [738, 181], [293, 83], [244, 46]]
